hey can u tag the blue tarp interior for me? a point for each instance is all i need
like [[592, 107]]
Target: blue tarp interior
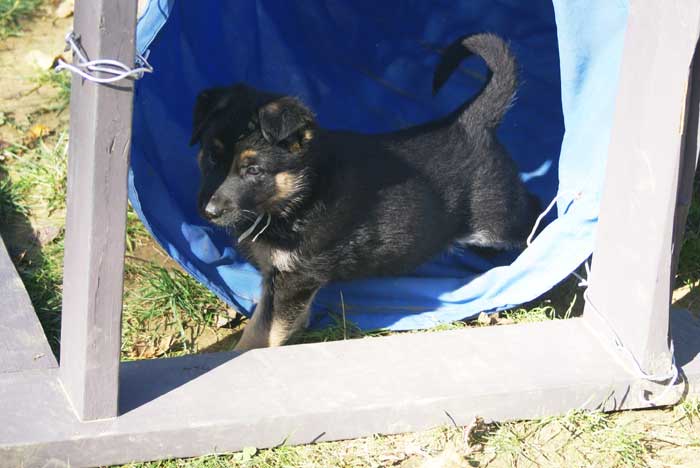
[[367, 65]]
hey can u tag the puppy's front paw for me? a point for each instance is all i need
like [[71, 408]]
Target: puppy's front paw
[[250, 341]]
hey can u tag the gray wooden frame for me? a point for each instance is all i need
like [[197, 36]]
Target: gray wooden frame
[[96, 214], [94, 410]]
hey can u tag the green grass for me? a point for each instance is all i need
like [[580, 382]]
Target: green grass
[[42, 274], [534, 314], [165, 303], [579, 438], [576, 439], [13, 12], [10, 199], [136, 232], [35, 186], [61, 82], [39, 175], [342, 328], [161, 301], [373, 451], [169, 290], [689, 262], [689, 410]]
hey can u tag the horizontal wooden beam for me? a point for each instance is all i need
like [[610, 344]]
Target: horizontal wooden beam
[[23, 344], [300, 394]]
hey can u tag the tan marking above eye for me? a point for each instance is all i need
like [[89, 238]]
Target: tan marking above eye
[[249, 153], [308, 135], [286, 184]]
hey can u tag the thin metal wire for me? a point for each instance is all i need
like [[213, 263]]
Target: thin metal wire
[[576, 196], [671, 376], [88, 68], [633, 365]]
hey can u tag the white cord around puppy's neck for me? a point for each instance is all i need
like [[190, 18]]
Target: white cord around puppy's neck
[[269, 218], [250, 230]]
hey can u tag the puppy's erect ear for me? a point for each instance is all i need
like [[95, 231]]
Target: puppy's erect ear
[[283, 117], [209, 103]]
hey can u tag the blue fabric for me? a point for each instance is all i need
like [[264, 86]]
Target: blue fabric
[[367, 65]]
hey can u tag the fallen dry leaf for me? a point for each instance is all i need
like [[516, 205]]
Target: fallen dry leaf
[[164, 344], [137, 348], [143, 350], [37, 131]]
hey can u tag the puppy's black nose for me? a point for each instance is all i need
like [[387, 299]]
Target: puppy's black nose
[[214, 209]]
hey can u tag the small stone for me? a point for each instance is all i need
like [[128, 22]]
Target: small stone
[[47, 233], [487, 319], [65, 9], [39, 59]]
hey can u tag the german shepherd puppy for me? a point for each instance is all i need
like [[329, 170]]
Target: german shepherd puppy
[[310, 206]]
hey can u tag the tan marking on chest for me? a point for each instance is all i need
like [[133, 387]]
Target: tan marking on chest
[[283, 260]]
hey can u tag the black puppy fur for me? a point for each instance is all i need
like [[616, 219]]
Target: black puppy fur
[[321, 206]]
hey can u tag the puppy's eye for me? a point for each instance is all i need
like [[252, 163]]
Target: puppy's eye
[[252, 170], [251, 125]]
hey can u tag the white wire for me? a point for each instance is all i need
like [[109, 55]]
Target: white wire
[[576, 196], [248, 231], [583, 282], [633, 365], [269, 218], [86, 68]]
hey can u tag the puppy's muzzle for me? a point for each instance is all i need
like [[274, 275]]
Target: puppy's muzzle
[[216, 208]]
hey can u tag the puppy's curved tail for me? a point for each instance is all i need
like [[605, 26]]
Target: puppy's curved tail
[[489, 106]]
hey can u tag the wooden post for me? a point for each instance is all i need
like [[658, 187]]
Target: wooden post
[[100, 140], [689, 162], [632, 262]]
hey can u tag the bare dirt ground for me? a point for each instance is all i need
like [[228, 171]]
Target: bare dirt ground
[[21, 58]]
